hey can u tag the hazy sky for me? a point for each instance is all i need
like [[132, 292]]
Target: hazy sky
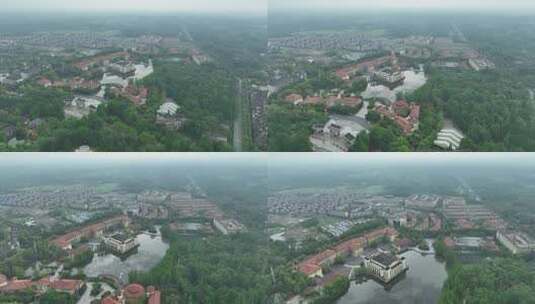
[[342, 5], [211, 6], [275, 159]]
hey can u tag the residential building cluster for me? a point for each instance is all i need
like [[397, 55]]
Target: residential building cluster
[[40, 198], [468, 216], [67, 240], [134, 294], [329, 100], [405, 115], [422, 201], [338, 229], [313, 265], [14, 285], [516, 242]]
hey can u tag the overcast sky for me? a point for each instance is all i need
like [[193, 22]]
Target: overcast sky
[[343, 5], [210, 6], [271, 159]]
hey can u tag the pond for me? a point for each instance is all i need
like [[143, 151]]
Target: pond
[[150, 252], [421, 284], [413, 80]]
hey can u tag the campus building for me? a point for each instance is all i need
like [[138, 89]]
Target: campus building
[[120, 243], [385, 266], [516, 242]]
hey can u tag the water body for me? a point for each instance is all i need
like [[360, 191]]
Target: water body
[[413, 80], [421, 284], [150, 252]]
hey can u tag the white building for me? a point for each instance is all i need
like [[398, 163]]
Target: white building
[[114, 80], [385, 266], [168, 109], [143, 71], [449, 138], [120, 243], [516, 242], [228, 226], [339, 133], [83, 149]]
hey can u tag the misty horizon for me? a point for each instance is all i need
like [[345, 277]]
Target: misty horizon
[[240, 7]]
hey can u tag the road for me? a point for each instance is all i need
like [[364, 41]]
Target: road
[[237, 137]]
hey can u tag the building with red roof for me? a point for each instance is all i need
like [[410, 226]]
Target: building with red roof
[[311, 266], [110, 300], [3, 280], [16, 286], [13, 286], [155, 296], [133, 293], [45, 82], [294, 98], [313, 100], [449, 242], [400, 106], [310, 270], [65, 241]]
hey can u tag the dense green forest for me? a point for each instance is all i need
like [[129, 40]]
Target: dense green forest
[[492, 108], [232, 269], [496, 281], [290, 127], [118, 125]]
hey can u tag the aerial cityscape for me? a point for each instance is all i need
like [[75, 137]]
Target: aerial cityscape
[[197, 228], [267, 152], [286, 76]]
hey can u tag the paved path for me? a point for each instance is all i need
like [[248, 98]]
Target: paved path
[[237, 137], [87, 298]]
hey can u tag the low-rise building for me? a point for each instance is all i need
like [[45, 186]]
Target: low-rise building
[[228, 226], [134, 294], [294, 99], [516, 242], [120, 243], [338, 134], [385, 266], [168, 115], [71, 287]]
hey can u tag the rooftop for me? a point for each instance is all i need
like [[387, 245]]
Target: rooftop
[[385, 259]]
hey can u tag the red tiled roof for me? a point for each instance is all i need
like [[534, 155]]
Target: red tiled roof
[[311, 264], [404, 124], [3, 279], [293, 98], [66, 239], [313, 100], [109, 300], [66, 285], [400, 104], [155, 298], [308, 269], [134, 291], [17, 285], [415, 113], [449, 242]]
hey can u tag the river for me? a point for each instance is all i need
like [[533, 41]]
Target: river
[[150, 252], [421, 284]]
